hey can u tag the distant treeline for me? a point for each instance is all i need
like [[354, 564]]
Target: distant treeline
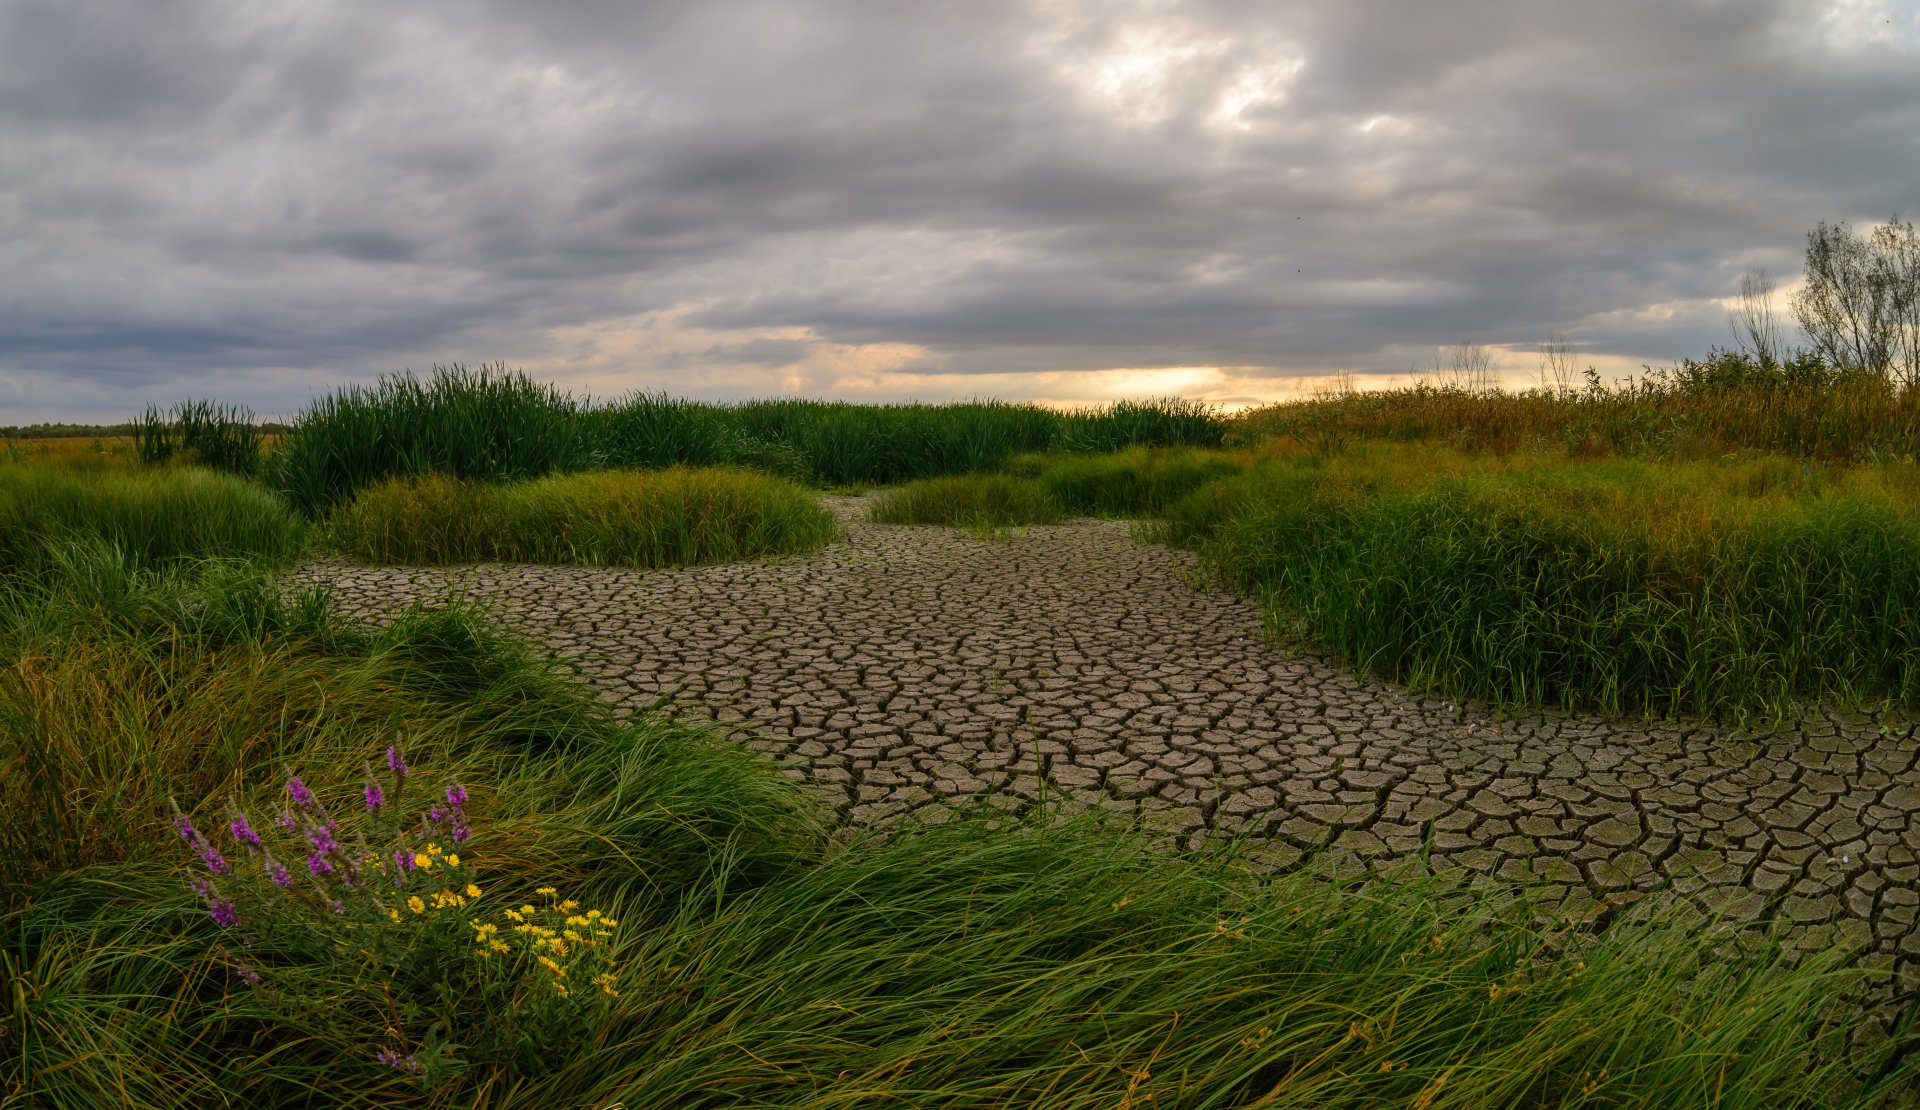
[[63, 431]]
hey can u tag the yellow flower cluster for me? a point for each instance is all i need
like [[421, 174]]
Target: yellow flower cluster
[[557, 935], [433, 856]]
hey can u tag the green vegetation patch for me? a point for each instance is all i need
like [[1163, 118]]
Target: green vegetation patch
[[675, 517], [154, 517], [1622, 586], [969, 501], [727, 951], [492, 424], [1136, 482]]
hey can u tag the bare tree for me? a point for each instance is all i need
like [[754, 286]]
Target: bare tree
[[1467, 367], [1756, 329], [1556, 365], [1860, 307]]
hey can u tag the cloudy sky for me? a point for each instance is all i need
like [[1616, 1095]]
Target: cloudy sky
[[890, 199]]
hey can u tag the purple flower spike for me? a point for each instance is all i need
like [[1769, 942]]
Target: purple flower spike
[[286, 820], [395, 763], [339, 907], [184, 826], [319, 864], [461, 833], [209, 855], [302, 797], [243, 832], [456, 797], [323, 842], [375, 799], [277, 871], [223, 913], [402, 859]]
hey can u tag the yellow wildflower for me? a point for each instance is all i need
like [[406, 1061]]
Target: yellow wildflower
[[423, 861], [605, 983], [453, 859], [473, 890], [546, 890], [415, 904]]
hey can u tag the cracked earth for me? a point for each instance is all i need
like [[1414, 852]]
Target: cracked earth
[[904, 669]]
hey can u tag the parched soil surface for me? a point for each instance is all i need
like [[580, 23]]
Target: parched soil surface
[[906, 668]]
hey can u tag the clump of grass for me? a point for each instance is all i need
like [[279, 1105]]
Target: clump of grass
[[156, 518], [1621, 586], [979, 501], [478, 424], [676, 517], [204, 433], [1136, 482]]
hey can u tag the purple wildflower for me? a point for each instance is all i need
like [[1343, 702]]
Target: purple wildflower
[[243, 832], [209, 855], [339, 907], [461, 833], [223, 913], [277, 871], [319, 864], [302, 797], [286, 820], [184, 826], [456, 797], [394, 763], [395, 1060], [204, 889], [251, 976], [375, 799], [402, 859], [322, 840]]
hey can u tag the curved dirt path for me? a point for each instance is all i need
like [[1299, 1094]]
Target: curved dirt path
[[907, 667]]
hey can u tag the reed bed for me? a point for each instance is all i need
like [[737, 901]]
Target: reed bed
[[1699, 409], [492, 424], [674, 517], [1625, 586], [202, 433], [993, 960]]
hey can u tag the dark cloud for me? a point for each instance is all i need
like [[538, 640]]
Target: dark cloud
[[736, 197]]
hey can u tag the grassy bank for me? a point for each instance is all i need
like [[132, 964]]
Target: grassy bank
[[154, 517], [1696, 410], [754, 962], [1618, 585], [674, 517]]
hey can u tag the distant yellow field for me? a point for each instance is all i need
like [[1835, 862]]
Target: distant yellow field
[[82, 450]]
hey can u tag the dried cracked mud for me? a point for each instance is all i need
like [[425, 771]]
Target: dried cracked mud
[[903, 669]]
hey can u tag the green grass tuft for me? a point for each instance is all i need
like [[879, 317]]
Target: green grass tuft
[[156, 518], [981, 501], [676, 517]]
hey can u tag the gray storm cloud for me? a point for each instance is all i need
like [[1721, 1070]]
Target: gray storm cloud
[[892, 199]]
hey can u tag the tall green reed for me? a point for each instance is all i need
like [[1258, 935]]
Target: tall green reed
[[223, 437], [489, 423]]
